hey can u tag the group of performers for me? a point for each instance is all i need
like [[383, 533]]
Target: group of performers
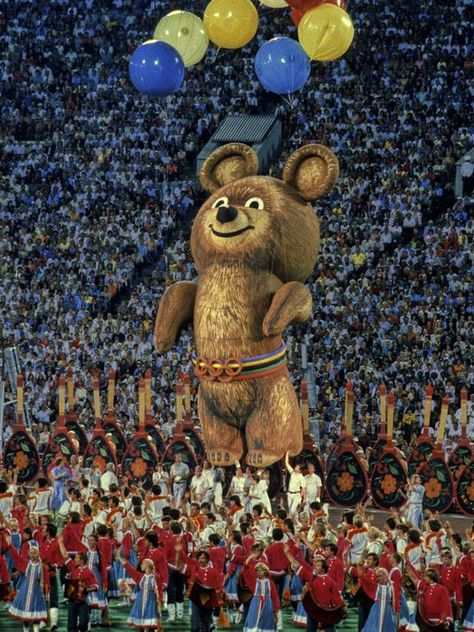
[[238, 563]]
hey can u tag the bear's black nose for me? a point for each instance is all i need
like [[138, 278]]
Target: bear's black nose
[[226, 214]]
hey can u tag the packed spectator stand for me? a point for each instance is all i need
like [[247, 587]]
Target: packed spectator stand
[[91, 198]]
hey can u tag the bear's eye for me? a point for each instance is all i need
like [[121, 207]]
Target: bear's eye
[[222, 201], [254, 202]]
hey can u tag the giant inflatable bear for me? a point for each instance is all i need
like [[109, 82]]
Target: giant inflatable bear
[[254, 242]]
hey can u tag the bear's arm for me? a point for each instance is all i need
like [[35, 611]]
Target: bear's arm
[[292, 302], [176, 308]]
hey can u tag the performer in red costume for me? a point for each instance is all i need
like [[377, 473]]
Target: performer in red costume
[[80, 581], [52, 558], [321, 596], [434, 605], [450, 577], [335, 566], [176, 580], [366, 586], [206, 585]]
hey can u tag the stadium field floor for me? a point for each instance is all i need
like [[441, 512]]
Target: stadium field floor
[[119, 621]]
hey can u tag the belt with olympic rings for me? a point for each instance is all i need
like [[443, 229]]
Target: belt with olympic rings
[[231, 368]]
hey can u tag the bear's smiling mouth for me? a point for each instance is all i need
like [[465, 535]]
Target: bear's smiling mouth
[[233, 234]]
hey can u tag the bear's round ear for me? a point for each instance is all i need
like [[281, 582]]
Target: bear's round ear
[[226, 164], [312, 170]]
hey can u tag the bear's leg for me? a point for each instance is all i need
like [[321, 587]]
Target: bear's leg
[[224, 443], [275, 427]]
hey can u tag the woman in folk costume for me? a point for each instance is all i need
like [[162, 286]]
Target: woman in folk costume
[[145, 612], [236, 558], [97, 600], [29, 604], [112, 581], [60, 474], [299, 550], [127, 552], [265, 604], [382, 614]]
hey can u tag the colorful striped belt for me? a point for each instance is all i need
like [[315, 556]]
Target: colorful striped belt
[[232, 368]]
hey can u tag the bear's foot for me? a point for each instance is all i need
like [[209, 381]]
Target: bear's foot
[[260, 458], [222, 456]]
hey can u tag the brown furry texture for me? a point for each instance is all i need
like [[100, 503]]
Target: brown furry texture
[[250, 288]]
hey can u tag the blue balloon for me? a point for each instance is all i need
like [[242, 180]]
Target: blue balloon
[[156, 69], [282, 66]]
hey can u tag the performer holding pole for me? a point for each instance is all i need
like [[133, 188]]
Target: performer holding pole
[[296, 486], [416, 491]]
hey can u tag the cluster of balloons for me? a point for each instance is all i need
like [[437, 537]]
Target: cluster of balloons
[[181, 39], [325, 32], [157, 67]]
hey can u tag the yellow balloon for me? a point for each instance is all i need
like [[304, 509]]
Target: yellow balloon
[[231, 23], [275, 4], [186, 33], [325, 32]]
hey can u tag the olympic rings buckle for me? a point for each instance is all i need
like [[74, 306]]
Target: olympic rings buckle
[[215, 370]]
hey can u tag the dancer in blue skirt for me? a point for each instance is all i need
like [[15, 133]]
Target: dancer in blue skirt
[[236, 557], [382, 616], [60, 474], [29, 605], [145, 612], [265, 604]]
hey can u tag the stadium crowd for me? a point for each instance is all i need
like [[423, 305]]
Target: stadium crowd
[[97, 185]]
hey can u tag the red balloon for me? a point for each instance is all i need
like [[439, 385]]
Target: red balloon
[[311, 4], [301, 6], [296, 16]]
